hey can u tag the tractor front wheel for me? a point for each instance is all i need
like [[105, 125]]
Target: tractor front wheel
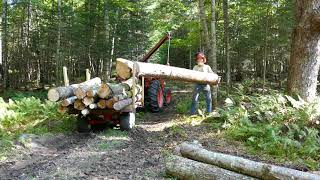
[[83, 125], [127, 121]]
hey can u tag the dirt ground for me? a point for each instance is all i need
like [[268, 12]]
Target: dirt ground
[[113, 154]]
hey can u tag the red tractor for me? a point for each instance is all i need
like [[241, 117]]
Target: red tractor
[[156, 96]]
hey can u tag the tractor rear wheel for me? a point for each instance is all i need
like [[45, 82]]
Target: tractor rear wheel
[[167, 96], [155, 96], [127, 121]]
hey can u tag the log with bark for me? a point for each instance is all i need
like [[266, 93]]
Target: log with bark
[[69, 101], [183, 168], [242, 165], [126, 102], [93, 92], [124, 68], [60, 93]]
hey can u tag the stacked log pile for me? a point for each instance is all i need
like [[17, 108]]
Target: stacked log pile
[[199, 163], [93, 94]]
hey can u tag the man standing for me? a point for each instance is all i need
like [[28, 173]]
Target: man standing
[[205, 88]]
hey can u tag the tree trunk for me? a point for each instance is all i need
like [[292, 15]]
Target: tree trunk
[[58, 54], [59, 93], [226, 41], [241, 165], [213, 51], [165, 72], [183, 168], [4, 61], [204, 25], [305, 51]]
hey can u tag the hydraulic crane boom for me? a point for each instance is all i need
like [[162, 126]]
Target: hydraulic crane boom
[[156, 47]]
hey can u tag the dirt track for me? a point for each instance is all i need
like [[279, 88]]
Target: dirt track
[[113, 155]]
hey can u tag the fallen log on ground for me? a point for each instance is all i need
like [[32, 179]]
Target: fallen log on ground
[[242, 165], [183, 168], [59, 93], [124, 68]]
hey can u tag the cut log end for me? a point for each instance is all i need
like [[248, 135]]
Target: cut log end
[[53, 95]]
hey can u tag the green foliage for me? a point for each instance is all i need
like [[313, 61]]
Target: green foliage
[[30, 115], [177, 131], [272, 124], [18, 95]]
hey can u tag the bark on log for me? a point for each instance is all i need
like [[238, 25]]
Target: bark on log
[[124, 103], [183, 168], [165, 72], [109, 90], [128, 83], [241, 165], [59, 93], [116, 89], [120, 97], [69, 101], [78, 104], [92, 92]]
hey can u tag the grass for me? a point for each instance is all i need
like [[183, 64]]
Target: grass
[[23, 113], [105, 146]]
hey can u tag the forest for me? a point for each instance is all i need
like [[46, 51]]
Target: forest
[[71, 63]]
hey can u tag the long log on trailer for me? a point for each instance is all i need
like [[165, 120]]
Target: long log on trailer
[[124, 68], [183, 168], [59, 93], [242, 165]]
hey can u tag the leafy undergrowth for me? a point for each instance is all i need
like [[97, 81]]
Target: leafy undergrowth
[[272, 124], [29, 115]]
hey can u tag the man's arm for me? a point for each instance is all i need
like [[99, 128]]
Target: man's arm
[[209, 70]]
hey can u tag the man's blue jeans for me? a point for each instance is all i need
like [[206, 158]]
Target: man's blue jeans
[[205, 88]]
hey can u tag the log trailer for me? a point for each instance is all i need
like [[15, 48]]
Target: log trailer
[[155, 97]]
